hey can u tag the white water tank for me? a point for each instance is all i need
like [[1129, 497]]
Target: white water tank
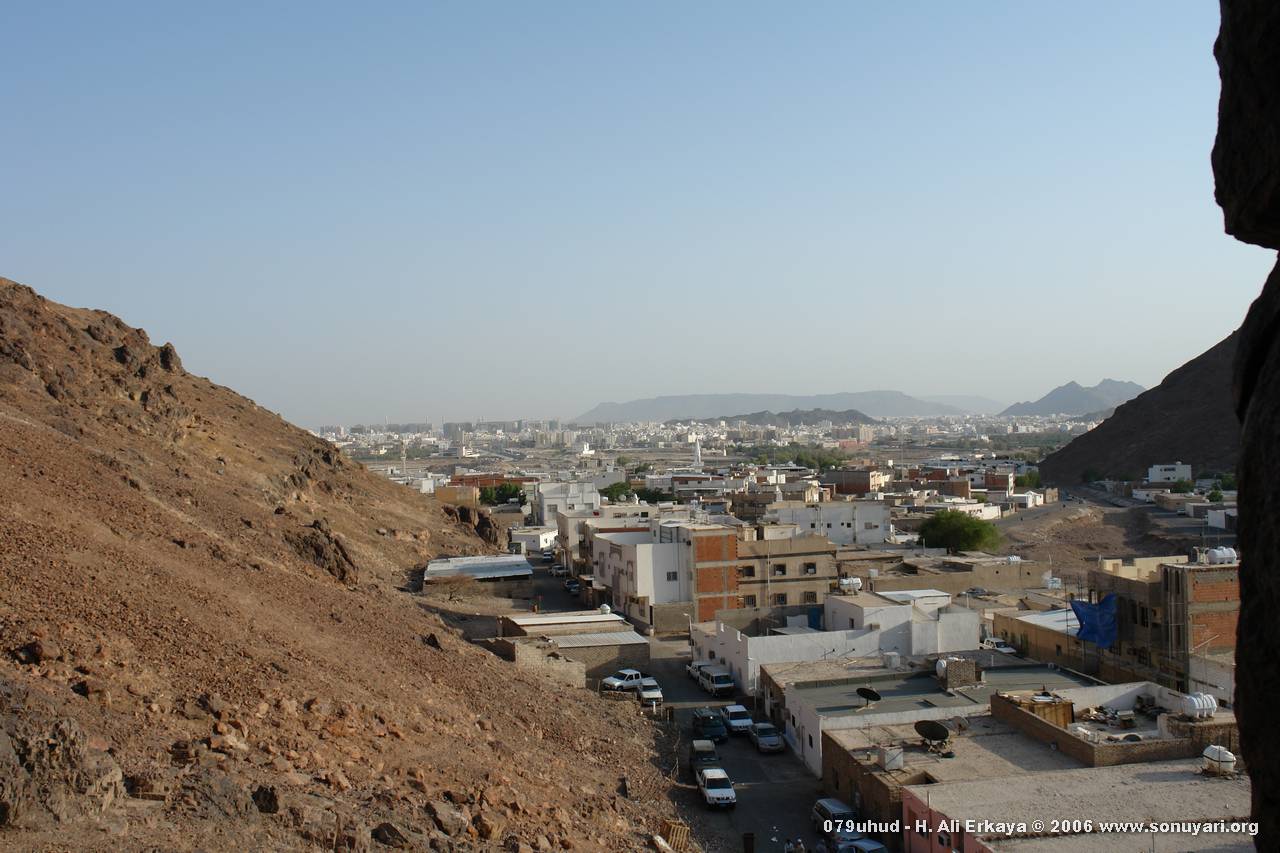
[[1199, 706], [605, 610], [1222, 555], [892, 660], [891, 757], [1218, 760]]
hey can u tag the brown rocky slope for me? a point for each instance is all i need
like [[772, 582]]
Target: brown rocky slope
[[1189, 417], [207, 643]]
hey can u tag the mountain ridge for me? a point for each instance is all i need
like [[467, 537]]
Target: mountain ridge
[[881, 403], [796, 417], [1072, 398]]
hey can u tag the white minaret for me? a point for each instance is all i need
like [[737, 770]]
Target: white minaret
[[697, 451]]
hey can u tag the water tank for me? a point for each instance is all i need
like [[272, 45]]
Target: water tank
[[605, 610], [891, 757], [892, 660], [941, 667], [1199, 706], [1218, 760]]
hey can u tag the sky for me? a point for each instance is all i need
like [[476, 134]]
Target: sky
[[445, 211]]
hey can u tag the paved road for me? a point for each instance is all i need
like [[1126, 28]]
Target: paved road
[[548, 592], [775, 792]]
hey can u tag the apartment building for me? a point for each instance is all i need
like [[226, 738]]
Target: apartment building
[[856, 481], [552, 498], [842, 522]]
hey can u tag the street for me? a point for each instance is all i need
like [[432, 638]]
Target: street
[[775, 791]]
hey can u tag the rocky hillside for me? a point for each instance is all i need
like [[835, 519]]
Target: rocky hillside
[[207, 644], [1189, 417]]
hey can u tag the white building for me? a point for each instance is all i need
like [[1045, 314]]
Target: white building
[[742, 655], [1168, 473], [843, 522], [914, 622], [552, 498]]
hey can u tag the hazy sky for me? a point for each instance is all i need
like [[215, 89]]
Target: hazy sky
[[442, 211]]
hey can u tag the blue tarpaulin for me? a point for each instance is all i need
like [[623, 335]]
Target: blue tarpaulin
[[1097, 621]]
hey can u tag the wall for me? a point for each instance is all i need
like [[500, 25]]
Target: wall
[[743, 655], [1214, 676], [602, 661]]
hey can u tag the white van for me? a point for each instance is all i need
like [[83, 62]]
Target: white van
[[716, 680]]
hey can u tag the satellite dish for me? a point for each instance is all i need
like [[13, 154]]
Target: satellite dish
[[868, 694], [932, 730]]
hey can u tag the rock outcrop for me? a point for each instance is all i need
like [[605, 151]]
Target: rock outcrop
[[1246, 168]]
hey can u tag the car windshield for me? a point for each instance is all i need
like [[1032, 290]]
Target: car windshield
[[739, 715], [721, 679], [711, 723], [717, 782], [766, 730]]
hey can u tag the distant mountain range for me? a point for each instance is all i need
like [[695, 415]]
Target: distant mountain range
[[797, 417], [1189, 417], [1075, 399], [966, 402], [879, 404]]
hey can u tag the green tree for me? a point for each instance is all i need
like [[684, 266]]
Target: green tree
[[1029, 480], [1228, 482], [653, 496], [491, 495], [624, 461], [958, 531], [615, 492], [642, 468], [1215, 497], [1183, 487]]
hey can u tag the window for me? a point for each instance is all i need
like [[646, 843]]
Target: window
[[671, 576], [779, 598], [810, 598], [868, 525], [811, 741], [779, 570], [812, 525], [810, 568], [1058, 649], [748, 601], [746, 571]]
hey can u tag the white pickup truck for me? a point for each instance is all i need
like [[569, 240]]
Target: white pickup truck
[[995, 644], [716, 788], [624, 679], [649, 692]]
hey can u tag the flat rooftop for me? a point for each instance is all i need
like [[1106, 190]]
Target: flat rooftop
[[1154, 791], [984, 748], [580, 617], [902, 692]]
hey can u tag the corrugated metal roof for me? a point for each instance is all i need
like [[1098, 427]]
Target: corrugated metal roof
[[492, 566], [564, 618], [603, 638]]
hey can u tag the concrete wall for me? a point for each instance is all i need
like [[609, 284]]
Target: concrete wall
[[742, 655], [602, 661], [954, 630]]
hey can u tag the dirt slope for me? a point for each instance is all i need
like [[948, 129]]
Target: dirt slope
[[206, 643], [1189, 417]]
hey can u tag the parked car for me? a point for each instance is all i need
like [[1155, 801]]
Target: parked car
[[995, 644], [716, 788], [649, 692], [766, 737], [573, 586], [737, 719], [702, 753], [708, 725], [834, 820], [548, 554], [625, 679], [560, 571], [695, 667], [716, 680]]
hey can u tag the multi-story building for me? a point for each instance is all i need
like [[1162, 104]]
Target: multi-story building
[[1168, 473], [552, 498], [842, 522], [856, 481]]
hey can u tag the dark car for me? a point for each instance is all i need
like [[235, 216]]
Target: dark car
[[573, 585], [707, 725]]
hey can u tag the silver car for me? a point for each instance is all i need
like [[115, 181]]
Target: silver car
[[766, 737]]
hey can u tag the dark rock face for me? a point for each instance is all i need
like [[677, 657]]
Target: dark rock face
[[318, 544], [1246, 167]]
